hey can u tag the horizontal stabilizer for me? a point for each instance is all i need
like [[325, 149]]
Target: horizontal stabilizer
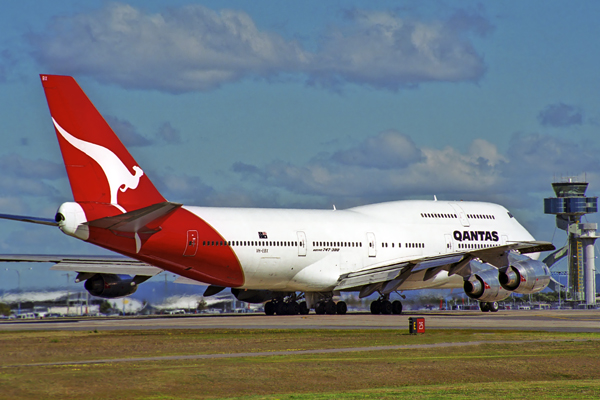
[[144, 220], [118, 267], [88, 264], [33, 220]]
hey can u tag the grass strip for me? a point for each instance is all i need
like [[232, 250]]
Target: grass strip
[[507, 370]]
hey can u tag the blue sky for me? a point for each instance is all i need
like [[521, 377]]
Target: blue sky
[[305, 104]]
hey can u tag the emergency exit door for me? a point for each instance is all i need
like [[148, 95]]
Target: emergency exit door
[[191, 246], [371, 243]]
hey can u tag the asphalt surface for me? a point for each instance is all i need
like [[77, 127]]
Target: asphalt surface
[[546, 320]]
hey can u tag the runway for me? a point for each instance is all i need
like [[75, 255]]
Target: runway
[[547, 320]]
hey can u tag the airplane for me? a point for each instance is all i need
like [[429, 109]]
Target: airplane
[[291, 260]]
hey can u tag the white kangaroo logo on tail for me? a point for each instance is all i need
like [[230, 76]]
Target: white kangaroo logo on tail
[[116, 172]]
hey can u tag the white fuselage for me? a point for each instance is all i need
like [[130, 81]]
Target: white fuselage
[[308, 250]]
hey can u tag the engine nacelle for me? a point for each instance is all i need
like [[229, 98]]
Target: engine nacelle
[[484, 286], [256, 296], [71, 220], [110, 286], [525, 276]]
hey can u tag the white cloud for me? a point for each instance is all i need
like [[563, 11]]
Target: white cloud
[[168, 134], [194, 48], [560, 115], [389, 149], [127, 132], [482, 172], [12, 205], [22, 176], [181, 187], [383, 50], [182, 49]]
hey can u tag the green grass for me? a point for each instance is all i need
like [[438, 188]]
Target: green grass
[[562, 369], [521, 390]]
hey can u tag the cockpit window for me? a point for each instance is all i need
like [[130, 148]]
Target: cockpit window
[[509, 214]]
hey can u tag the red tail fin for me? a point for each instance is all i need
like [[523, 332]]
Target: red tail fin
[[99, 167]]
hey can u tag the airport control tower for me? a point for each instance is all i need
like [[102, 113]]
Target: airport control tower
[[569, 205]]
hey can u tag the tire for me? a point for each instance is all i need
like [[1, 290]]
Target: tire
[[376, 307], [341, 307], [330, 307], [397, 307], [294, 308], [320, 308], [494, 307], [386, 307], [484, 307], [280, 308], [269, 308], [303, 308]]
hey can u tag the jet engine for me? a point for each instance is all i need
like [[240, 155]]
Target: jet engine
[[484, 286], [525, 276], [256, 296], [110, 286]]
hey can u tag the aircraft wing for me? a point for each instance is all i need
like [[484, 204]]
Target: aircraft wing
[[386, 277], [88, 264]]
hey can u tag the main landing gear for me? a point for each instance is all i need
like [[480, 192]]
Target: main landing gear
[[281, 307], [384, 306], [330, 307], [488, 306], [291, 307]]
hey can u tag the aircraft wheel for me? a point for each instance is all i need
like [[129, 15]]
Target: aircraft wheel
[[386, 307], [376, 307], [330, 307], [280, 308], [341, 307], [494, 307], [484, 307], [397, 307], [303, 308], [294, 308], [320, 308], [269, 308]]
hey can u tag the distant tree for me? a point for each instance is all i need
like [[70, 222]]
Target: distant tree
[[426, 300], [4, 309], [201, 305], [354, 301], [105, 307]]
